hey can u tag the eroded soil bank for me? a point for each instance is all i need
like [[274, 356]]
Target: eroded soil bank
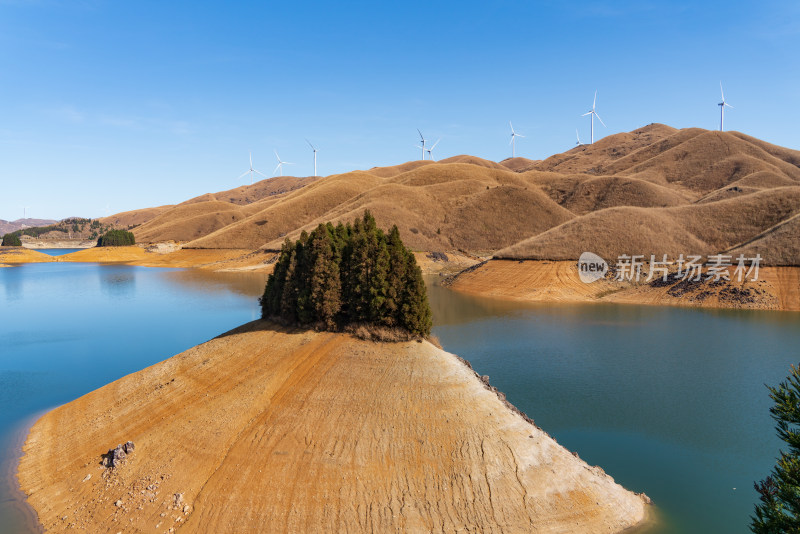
[[268, 429]]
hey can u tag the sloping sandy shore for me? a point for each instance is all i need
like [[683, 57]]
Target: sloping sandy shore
[[777, 288], [270, 430]]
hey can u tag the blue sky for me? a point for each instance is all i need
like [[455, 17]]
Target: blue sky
[[111, 106]]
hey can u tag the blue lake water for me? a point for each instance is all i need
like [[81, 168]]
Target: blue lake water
[[57, 251], [668, 401]]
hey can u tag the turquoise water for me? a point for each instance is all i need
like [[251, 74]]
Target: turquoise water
[[57, 251], [61, 326], [668, 401]]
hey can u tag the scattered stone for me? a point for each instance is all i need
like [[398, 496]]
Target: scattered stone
[[186, 508], [118, 504], [485, 379], [177, 500], [115, 456], [87, 477]]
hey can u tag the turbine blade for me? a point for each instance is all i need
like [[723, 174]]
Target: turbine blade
[[587, 113], [594, 102], [728, 105], [245, 173], [436, 143], [261, 173], [721, 91], [512, 140], [601, 120], [512, 126], [277, 156], [420, 135], [312, 146], [278, 166], [520, 135], [251, 159]]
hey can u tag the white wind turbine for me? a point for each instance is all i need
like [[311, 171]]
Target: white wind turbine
[[422, 147], [722, 105], [315, 156], [281, 163], [513, 141], [593, 114], [430, 150], [251, 171]]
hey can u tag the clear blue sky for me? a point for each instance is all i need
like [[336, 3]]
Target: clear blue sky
[[109, 106]]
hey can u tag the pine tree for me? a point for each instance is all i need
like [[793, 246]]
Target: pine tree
[[415, 311], [348, 275], [779, 509]]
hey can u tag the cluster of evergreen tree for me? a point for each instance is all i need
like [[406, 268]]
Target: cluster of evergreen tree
[[11, 240], [348, 274], [116, 238]]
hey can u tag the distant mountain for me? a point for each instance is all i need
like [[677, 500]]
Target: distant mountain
[[19, 224]]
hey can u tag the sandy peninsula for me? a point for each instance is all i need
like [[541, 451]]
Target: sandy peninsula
[[276, 430]]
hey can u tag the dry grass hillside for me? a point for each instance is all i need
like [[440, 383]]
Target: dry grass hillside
[[656, 189]]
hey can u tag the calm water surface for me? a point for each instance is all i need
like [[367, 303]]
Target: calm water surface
[[57, 251], [668, 401]]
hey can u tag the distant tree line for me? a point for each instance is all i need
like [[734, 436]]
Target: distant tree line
[[11, 240], [348, 275], [116, 238]]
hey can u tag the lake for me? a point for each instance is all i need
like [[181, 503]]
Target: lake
[[669, 401]]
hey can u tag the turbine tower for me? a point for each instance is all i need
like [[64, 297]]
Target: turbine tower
[[593, 114], [423, 143], [722, 105], [430, 150], [281, 163], [251, 171], [315, 156], [513, 142]]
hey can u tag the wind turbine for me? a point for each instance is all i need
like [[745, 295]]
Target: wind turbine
[[251, 171], [430, 150], [513, 141], [722, 106], [315, 156], [593, 114], [423, 143], [25, 211], [281, 163]]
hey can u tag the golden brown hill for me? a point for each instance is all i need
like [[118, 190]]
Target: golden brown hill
[[520, 164], [581, 193], [189, 221], [473, 160], [247, 194], [269, 430], [779, 245], [477, 206], [435, 207], [128, 219], [693, 229]]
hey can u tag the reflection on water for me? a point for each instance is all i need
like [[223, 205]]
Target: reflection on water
[[69, 328], [669, 401], [242, 283]]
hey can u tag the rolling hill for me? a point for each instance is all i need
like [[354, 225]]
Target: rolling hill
[[656, 189]]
